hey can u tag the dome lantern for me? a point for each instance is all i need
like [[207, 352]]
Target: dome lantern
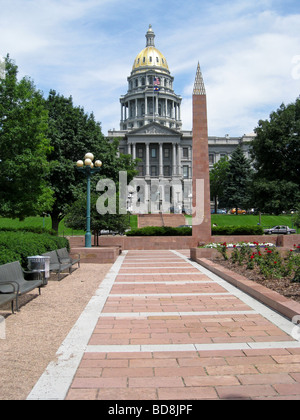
[[150, 35]]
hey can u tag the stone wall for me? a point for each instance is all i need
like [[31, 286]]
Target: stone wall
[[181, 242]]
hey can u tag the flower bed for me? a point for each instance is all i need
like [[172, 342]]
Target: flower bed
[[263, 257], [239, 245]]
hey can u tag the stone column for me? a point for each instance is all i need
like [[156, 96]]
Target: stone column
[[147, 160], [133, 151], [201, 187], [161, 168]]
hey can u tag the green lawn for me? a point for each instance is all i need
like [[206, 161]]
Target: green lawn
[[38, 222], [267, 221], [46, 222], [218, 219], [133, 221], [251, 220]]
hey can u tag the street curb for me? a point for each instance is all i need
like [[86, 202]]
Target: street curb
[[272, 299]]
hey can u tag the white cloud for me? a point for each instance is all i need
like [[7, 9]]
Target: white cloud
[[250, 75], [85, 48]]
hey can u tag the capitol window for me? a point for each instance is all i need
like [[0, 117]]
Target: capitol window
[[167, 171], [185, 172], [153, 170]]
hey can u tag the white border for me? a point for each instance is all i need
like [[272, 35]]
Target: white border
[[57, 379]]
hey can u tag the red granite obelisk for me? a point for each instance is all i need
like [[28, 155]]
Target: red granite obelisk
[[201, 188]]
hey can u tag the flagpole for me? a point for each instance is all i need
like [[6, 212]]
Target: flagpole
[[153, 96], [156, 83]]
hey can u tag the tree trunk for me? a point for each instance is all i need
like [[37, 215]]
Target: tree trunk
[[56, 219]]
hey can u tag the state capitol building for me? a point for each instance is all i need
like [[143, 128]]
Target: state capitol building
[[151, 130]]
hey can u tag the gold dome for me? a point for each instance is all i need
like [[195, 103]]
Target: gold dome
[[150, 56]]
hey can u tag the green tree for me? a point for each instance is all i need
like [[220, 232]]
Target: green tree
[[73, 133], [296, 217], [23, 147], [76, 216], [218, 176], [236, 192], [276, 155]]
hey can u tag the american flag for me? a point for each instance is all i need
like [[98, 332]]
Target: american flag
[[156, 81]]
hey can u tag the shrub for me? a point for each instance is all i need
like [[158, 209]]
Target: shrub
[[237, 230], [17, 246], [160, 231]]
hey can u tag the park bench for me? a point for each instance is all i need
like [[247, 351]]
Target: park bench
[[6, 297], [65, 257], [13, 282], [56, 265]]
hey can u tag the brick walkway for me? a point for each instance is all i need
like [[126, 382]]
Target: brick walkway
[[161, 327]]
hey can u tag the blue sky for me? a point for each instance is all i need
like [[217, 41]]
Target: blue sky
[[249, 52]]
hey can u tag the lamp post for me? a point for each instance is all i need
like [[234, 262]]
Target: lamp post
[[88, 168]]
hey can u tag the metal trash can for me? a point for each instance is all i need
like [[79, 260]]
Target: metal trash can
[[39, 267]]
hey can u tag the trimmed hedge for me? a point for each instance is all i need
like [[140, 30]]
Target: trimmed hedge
[[160, 231], [237, 230], [187, 231], [17, 246]]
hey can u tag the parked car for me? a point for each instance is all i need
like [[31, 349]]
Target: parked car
[[108, 232], [185, 226], [282, 230], [240, 211], [219, 211]]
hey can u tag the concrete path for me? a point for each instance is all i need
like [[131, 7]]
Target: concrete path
[[161, 327]]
